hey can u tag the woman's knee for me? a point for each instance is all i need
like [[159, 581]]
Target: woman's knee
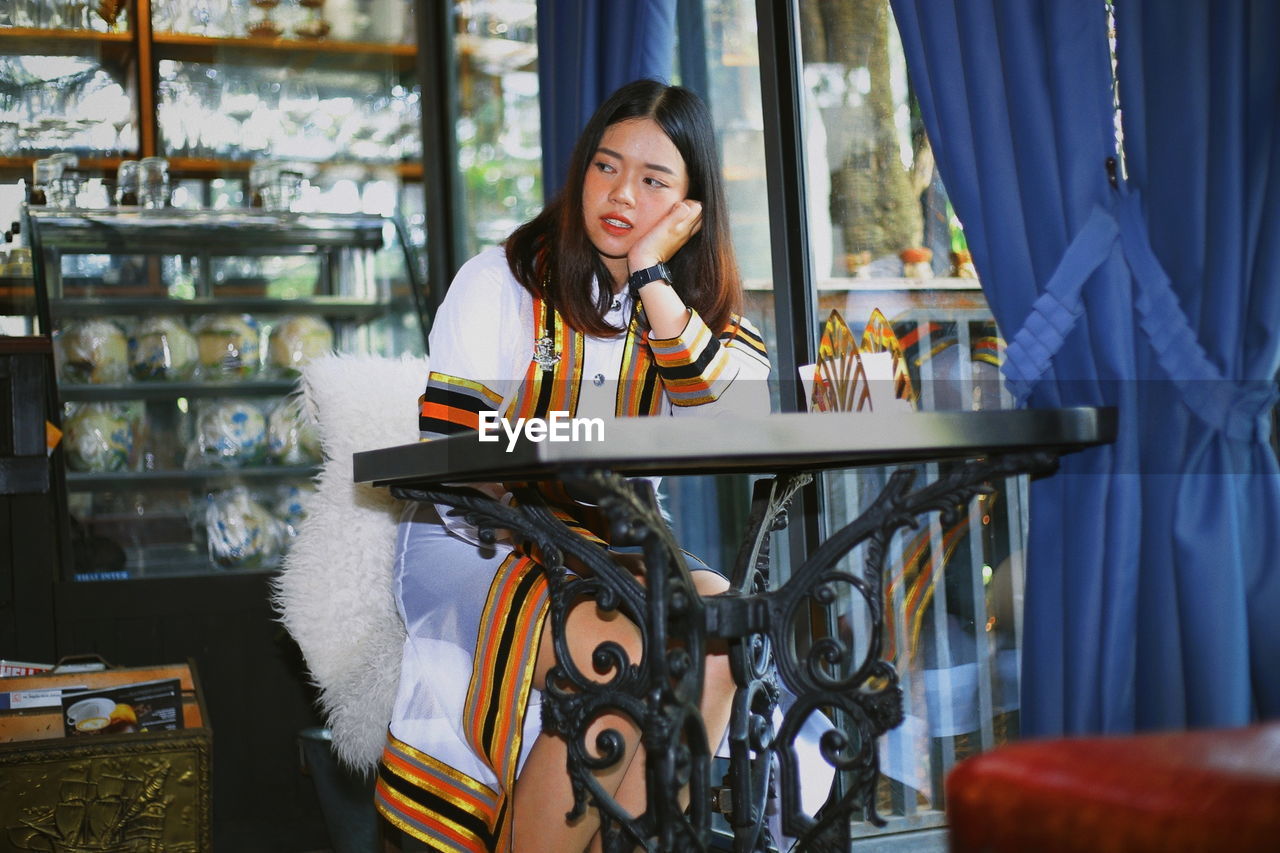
[[710, 583]]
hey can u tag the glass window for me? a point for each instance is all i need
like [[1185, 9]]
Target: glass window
[[499, 126], [718, 57], [882, 237]]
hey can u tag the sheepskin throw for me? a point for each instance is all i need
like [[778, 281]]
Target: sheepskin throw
[[335, 592]]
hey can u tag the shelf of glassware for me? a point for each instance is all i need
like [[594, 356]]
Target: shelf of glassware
[[326, 56], [28, 41], [333, 54], [213, 167], [319, 54], [22, 164], [208, 167], [112, 48]]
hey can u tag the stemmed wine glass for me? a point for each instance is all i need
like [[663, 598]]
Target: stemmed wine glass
[[299, 99], [239, 99]]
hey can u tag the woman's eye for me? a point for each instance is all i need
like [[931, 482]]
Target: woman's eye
[[605, 167], [654, 182]]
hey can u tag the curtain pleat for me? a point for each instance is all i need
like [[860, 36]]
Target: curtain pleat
[[1151, 565]]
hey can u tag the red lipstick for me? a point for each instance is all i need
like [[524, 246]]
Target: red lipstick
[[608, 223]]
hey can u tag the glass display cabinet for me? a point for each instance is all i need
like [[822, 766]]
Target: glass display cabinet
[[178, 338]]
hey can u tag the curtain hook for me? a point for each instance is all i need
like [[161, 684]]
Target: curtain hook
[[1112, 176]]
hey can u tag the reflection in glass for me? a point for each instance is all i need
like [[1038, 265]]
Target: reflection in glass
[[882, 238], [63, 103], [499, 124]]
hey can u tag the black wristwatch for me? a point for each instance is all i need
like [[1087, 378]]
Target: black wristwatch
[[640, 278]]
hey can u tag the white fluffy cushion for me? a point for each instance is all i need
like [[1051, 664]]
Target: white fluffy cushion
[[335, 592]]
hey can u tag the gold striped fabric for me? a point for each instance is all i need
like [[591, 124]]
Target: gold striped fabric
[[452, 404], [430, 800], [436, 804], [502, 672], [554, 374], [914, 579], [692, 366], [879, 336]]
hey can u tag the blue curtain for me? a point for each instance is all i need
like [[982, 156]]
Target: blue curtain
[[1153, 571], [586, 50]]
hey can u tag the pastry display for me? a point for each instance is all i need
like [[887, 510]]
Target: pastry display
[[229, 434], [292, 505], [229, 345], [241, 532], [98, 437], [161, 348], [91, 351], [291, 435], [296, 340]]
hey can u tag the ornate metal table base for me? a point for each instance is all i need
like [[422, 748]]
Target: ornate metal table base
[[661, 692]]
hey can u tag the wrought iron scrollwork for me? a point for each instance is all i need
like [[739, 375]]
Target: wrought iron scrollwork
[[661, 692]]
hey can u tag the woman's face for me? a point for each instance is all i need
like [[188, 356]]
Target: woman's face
[[635, 177]]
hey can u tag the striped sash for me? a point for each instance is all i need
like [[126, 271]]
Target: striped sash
[[430, 800]]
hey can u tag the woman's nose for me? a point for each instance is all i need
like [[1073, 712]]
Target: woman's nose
[[621, 193]]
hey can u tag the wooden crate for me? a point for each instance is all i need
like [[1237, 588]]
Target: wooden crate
[[144, 792]]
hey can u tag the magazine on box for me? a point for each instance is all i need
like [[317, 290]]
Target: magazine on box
[[147, 706], [38, 697], [12, 668]]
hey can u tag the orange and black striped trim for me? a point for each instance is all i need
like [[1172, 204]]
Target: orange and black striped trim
[[639, 391], [451, 405], [544, 390], [743, 334], [692, 365], [436, 804], [502, 672], [917, 579]]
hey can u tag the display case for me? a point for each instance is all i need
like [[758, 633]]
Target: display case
[[213, 87], [178, 339]]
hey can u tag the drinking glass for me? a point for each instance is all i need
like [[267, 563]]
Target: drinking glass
[[70, 14], [63, 192], [9, 135], [299, 100], [127, 183], [29, 13], [262, 184], [265, 27], [288, 190], [153, 182], [44, 173], [239, 100]]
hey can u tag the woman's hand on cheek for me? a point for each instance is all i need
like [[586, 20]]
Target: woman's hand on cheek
[[667, 236]]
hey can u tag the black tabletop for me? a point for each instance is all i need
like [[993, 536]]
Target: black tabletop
[[763, 445]]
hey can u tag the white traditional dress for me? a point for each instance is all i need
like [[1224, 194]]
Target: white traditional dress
[[466, 714]]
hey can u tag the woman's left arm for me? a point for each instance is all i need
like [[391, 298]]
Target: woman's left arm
[[702, 372], [709, 374]]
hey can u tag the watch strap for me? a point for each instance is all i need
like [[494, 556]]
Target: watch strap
[[640, 278]]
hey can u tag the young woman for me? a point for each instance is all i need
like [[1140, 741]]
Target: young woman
[[620, 299]]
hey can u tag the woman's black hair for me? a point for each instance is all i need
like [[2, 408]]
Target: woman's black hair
[[554, 259]]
